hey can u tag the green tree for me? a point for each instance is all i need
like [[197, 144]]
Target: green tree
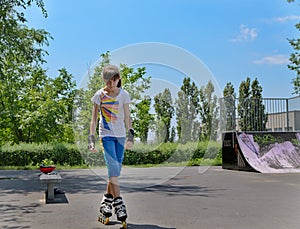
[[257, 109], [228, 108], [173, 134], [244, 104], [21, 56], [187, 109], [35, 108], [295, 60], [208, 112], [144, 119], [63, 94], [250, 108], [164, 109], [46, 108]]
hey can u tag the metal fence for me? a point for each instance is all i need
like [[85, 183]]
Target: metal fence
[[263, 114]]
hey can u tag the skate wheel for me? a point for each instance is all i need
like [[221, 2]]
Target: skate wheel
[[104, 221], [124, 224]]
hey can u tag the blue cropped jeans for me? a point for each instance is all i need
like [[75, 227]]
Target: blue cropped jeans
[[113, 154]]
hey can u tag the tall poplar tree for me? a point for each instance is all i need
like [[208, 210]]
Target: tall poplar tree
[[187, 110], [252, 116], [228, 108], [143, 119], [164, 108], [258, 116], [244, 104], [209, 110]]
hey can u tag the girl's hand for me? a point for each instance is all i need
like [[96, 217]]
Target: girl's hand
[[91, 142], [128, 144], [93, 150]]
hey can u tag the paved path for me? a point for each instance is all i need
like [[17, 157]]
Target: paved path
[[180, 198]]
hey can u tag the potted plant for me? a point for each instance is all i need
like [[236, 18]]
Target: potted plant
[[47, 166]]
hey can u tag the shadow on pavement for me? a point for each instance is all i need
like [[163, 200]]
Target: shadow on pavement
[[13, 215], [24, 182], [140, 226], [146, 226], [58, 199], [19, 182], [74, 182], [178, 190], [94, 184], [83, 181]]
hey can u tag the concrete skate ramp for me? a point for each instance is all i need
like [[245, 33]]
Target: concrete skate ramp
[[267, 152]]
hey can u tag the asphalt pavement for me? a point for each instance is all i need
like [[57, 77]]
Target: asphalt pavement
[[156, 198]]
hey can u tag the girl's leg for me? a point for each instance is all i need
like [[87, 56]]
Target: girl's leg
[[113, 183], [114, 154], [113, 186], [120, 148]]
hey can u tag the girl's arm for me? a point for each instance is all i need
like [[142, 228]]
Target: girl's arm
[[128, 125], [94, 119], [128, 122]]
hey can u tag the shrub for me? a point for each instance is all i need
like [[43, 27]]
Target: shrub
[[171, 152], [33, 154], [141, 154]]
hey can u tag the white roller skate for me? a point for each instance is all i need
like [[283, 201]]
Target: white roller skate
[[105, 210], [120, 211]]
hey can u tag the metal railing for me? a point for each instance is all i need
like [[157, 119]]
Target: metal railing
[[263, 114]]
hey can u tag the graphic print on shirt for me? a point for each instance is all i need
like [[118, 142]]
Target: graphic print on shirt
[[109, 110]]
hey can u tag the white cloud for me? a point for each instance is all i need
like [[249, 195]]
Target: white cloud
[[286, 18], [246, 34], [273, 60]]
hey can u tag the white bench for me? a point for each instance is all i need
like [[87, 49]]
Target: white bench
[[50, 180]]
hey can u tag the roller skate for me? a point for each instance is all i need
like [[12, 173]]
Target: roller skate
[[105, 210], [120, 211]]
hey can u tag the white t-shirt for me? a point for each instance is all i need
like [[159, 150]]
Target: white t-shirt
[[111, 113]]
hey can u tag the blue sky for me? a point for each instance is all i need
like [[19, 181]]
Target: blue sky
[[234, 39]]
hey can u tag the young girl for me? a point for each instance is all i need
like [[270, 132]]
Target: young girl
[[113, 103]]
